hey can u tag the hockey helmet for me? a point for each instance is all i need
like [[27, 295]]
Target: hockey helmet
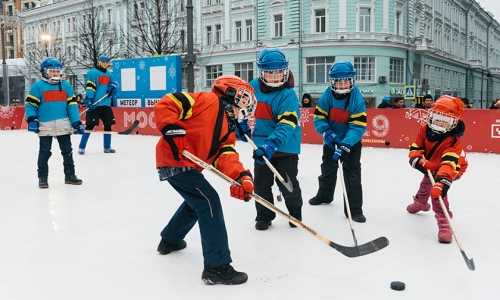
[[236, 92], [51, 69], [445, 114], [342, 76], [273, 66]]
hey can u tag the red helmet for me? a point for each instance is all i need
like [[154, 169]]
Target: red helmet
[[445, 113], [238, 90]]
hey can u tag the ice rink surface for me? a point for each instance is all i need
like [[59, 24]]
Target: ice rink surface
[[98, 240]]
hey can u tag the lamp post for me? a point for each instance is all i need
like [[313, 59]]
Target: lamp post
[[45, 37], [5, 75]]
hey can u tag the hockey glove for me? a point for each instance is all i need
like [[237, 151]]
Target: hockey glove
[[89, 103], [244, 189], [265, 150], [243, 129], [175, 136], [422, 164], [78, 127], [440, 188], [33, 125], [339, 151], [112, 88], [329, 137]]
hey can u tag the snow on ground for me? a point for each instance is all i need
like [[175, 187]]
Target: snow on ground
[[98, 240]]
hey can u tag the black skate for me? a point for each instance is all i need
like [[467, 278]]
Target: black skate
[[360, 218], [262, 225], [317, 201], [73, 180], [224, 274], [165, 247], [42, 183], [110, 150]]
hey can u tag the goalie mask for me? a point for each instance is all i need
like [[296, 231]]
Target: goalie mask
[[445, 114], [237, 95]]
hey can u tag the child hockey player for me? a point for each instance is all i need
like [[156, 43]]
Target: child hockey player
[[438, 148]]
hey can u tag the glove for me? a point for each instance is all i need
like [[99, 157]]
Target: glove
[[175, 137], [422, 164], [89, 103], [244, 189], [78, 127], [440, 188], [33, 125], [329, 137], [266, 150], [243, 129], [339, 151], [112, 88]]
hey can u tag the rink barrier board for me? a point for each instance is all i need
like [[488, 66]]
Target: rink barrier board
[[394, 128]]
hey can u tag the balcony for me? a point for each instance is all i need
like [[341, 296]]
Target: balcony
[[241, 4], [8, 20], [212, 9], [355, 36]]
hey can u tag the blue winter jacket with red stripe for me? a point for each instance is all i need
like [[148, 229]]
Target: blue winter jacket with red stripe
[[277, 118]]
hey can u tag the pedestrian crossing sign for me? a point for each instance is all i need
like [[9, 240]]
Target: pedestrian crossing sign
[[410, 92]]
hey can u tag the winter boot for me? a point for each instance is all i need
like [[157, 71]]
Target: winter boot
[[107, 144], [72, 179], [81, 151], [224, 274], [42, 183], [317, 201], [262, 225], [110, 150], [165, 247], [444, 233], [359, 218], [417, 206]]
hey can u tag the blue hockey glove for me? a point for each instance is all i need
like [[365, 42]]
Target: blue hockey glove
[[33, 125], [266, 150], [339, 151], [243, 129], [78, 127], [329, 137], [112, 88]]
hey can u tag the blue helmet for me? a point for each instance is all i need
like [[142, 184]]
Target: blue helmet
[[273, 66], [342, 71], [104, 58], [51, 63]]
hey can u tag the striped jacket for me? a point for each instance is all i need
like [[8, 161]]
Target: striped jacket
[[96, 86]]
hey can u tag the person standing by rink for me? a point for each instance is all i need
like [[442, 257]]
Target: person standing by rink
[[277, 134], [98, 85], [340, 117], [51, 110], [203, 124]]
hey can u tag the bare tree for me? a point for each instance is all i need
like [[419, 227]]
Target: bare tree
[[156, 27]]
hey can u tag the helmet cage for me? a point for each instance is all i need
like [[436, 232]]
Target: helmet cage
[[336, 81], [52, 79], [441, 122], [274, 78], [245, 101]]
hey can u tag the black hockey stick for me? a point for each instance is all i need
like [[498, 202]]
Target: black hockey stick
[[361, 250], [468, 261], [346, 202], [132, 127]]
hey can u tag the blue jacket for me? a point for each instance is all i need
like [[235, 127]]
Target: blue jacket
[[97, 86], [346, 117], [51, 102], [277, 118]]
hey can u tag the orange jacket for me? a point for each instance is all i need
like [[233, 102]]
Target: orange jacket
[[448, 158], [207, 132]]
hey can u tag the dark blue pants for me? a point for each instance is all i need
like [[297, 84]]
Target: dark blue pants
[[45, 153], [201, 204]]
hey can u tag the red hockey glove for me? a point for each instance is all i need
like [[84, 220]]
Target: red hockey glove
[[440, 188], [244, 189], [175, 135]]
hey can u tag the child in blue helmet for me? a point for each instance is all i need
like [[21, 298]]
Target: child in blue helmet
[[100, 90], [277, 133], [340, 116], [51, 110]]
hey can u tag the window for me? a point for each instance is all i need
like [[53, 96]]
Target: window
[[320, 17], [278, 25], [68, 29], [364, 19], [109, 16], [74, 25], [398, 23], [11, 40], [365, 65], [212, 73], [237, 26], [218, 34], [209, 35], [249, 29], [11, 53], [397, 70], [244, 71], [10, 10], [317, 68]]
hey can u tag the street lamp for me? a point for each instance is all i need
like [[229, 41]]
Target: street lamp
[[5, 77], [45, 37]]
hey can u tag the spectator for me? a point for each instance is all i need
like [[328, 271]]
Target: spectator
[[426, 103], [386, 102], [495, 104], [306, 100], [466, 102], [398, 102]]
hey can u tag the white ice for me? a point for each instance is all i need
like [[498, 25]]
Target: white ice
[[98, 240]]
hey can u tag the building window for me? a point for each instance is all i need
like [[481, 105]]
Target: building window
[[212, 73], [209, 35], [237, 27], [365, 66], [364, 19], [109, 16], [398, 23], [397, 69], [278, 25], [320, 17], [249, 29], [244, 71], [218, 34], [10, 10], [317, 68], [11, 53]]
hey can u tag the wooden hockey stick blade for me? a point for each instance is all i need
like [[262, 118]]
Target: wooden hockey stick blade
[[364, 249], [132, 127], [287, 183], [468, 261]]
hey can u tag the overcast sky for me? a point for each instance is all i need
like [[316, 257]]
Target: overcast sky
[[492, 6]]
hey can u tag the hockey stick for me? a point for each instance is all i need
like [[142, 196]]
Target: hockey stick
[[100, 99], [468, 261], [126, 131], [346, 201], [364, 249], [287, 183]]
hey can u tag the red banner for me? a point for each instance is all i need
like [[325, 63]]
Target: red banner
[[386, 127]]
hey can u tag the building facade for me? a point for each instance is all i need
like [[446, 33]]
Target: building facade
[[397, 46]]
